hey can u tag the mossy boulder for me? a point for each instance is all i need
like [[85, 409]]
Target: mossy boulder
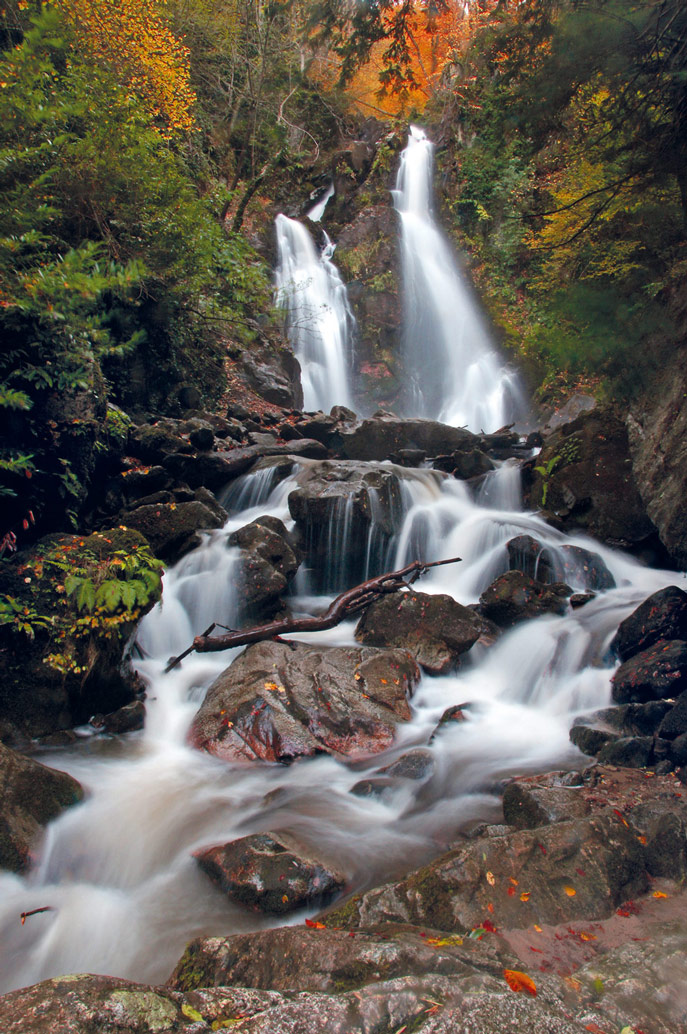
[[32, 795]]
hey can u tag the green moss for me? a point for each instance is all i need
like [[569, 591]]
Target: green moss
[[345, 916]]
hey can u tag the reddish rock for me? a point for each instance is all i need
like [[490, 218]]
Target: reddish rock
[[516, 597], [265, 874], [280, 701]]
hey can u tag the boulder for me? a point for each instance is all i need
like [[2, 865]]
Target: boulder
[[212, 470], [383, 434], [269, 561], [584, 477], [32, 796], [654, 674], [579, 869], [663, 615], [675, 721], [272, 372], [338, 507], [267, 874], [627, 751], [173, 528], [573, 565], [435, 629], [516, 597], [153, 442], [530, 802], [280, 701]]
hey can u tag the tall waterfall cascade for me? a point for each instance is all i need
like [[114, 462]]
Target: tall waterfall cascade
[[318, 318], [452, 369]]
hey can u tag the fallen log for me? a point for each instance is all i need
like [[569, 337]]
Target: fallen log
[[347, 603]]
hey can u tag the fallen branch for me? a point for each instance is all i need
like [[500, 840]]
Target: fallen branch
[[35, 911], [347, 603]]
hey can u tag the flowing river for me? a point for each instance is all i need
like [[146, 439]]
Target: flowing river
[[117, 871]]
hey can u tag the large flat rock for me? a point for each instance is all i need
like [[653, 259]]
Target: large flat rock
[[280, 701]]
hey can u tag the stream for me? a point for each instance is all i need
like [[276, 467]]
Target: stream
[[118, 871]]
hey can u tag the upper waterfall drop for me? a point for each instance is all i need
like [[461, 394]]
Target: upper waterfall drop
[[318, 316], [453, 372]]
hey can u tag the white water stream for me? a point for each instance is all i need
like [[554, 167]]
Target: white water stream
[[318, 317], [453, 371], [118, 869]]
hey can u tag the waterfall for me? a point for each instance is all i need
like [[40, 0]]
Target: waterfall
[[453, 372], [318, 317]]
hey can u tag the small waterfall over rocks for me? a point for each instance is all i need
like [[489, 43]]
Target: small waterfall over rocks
[[318, 318]]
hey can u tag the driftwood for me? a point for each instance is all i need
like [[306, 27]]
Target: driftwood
[[349, 602]]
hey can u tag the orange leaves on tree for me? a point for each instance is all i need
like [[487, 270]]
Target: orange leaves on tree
[[518, 981], [133, 39]]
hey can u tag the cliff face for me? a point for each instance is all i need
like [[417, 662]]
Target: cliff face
[[657, 427]]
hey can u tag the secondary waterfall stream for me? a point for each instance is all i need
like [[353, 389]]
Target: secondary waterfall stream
[[117, 871], [453, 371]]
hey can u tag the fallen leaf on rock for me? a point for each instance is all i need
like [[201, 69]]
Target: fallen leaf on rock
[[595, 1028], [537, 928], [518, 981], [444, 942], [315, 926], [575, 985], [659, 894], [587, 936], [570, 891], [525, 896], [491, 879]]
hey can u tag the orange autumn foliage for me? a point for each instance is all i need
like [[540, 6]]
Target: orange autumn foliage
[[434, 43], [133, 39]]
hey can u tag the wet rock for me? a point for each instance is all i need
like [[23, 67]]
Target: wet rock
[[269, 561], [32, 796], [451, 716], [127, 719], [435, 629], [627, 751], [678, 751], [266, 874], [202, 438], [211, 470], [590, 739], [584, 477], [172, 528], [662, 616], [337, 507], [527, 805], [153, 442], [591, 733], [664, 827], [280, 701], [574, 407], [571, 564], [579, 869], [380, 436], [465, 464], [657, 673], [272, 372], [515, 597], [414, 764], [675, 721]]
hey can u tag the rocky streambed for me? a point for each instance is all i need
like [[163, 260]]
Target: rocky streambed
[[472, 818]]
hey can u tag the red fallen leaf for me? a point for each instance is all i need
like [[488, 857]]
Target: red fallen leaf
[[580, 872], [542, 849], [620, 816], [511, 892], [488, 926], [351, 934], [315, 926], [595, 1029], [538, 950], [518, 981]]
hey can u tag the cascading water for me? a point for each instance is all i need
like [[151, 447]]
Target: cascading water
[[118, 870], [318, 316], [453, 372]]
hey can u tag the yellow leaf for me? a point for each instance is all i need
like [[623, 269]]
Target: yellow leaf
[[659, 894], [525, 896], [491, 879]]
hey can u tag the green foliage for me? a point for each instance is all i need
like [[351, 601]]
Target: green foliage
[[75, 589]]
